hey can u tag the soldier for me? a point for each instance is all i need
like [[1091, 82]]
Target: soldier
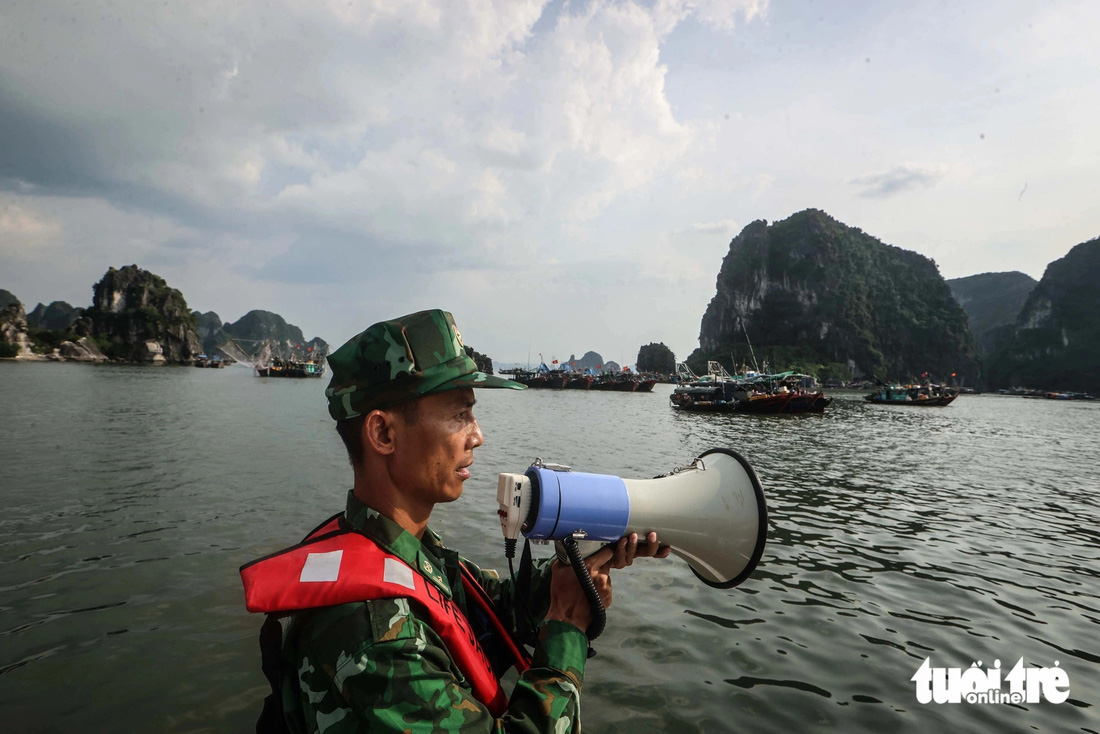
[[393, 631]]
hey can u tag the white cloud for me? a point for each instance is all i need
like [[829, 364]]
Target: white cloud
[[23, 232], [721, 227], [899, 179]]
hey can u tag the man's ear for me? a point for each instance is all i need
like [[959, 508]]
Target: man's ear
[[379, 432]]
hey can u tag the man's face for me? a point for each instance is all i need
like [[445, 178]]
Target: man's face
[[434, 450]]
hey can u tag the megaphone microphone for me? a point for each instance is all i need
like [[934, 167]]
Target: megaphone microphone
[[711, 512]]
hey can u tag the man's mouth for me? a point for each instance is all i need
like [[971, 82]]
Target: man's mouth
[[464, 471]]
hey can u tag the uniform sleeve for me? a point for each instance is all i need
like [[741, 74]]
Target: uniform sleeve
[[381, 669]]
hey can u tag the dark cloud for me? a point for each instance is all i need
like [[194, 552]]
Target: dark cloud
[[898, 180], [43, 150]]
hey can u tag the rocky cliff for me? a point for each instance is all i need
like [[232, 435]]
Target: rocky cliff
[[139, 318], [209, 328], [992, 302], [483, 362], [58, 316], [590, 359], [14, 341], [815, 294], [1055, 342], [656, 357]]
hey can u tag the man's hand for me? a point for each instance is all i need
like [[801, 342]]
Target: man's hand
[[627, 549], [567, 600]]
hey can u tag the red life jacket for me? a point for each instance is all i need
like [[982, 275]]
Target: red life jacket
[[336, 565]]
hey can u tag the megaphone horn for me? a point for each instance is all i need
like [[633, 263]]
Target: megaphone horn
[[712, 512]]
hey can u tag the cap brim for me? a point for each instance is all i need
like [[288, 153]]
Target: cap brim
[[480, 379], [475, 379]]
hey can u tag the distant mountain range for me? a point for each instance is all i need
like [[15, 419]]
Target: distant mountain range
[[256, 325], [136, 317], [992, 302]]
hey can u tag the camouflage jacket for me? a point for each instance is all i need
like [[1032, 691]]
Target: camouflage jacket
[[378, 666]]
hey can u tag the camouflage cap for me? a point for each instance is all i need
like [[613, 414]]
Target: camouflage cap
[[401, 359]]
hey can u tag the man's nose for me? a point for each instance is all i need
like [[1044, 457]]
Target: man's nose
[[476, 436]]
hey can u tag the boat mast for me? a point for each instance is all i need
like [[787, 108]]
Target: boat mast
[[755, 366]]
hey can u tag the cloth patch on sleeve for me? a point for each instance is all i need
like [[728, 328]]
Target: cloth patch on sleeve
[[321, 566], [396, 572]]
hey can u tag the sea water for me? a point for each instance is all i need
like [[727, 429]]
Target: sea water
[[965, 534]]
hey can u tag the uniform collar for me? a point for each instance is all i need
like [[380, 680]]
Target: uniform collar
[[427, 556]]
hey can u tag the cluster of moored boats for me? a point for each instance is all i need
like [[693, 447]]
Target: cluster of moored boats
[[214, 362], [719, 392], [565, 380]]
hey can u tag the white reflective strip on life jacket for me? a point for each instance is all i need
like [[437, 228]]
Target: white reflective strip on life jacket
[[321, 566], [396, 572]]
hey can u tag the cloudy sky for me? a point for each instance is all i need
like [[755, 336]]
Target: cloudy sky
[[562, 176]]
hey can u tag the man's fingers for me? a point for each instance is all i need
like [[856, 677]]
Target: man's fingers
[[600, 558]]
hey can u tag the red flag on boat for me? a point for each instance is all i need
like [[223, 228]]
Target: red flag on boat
[[952, 374], [599, 366], [554, 362]]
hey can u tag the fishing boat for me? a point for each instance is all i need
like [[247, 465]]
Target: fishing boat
[[291, 368], [713, 397], [614, 383], [556, 380], [921, 396], [807, 402], [762, 402], [272, 359]]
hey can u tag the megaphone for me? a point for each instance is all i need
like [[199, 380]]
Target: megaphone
[[712, 512]]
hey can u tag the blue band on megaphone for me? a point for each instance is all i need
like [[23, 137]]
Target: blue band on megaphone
[[570, 501]]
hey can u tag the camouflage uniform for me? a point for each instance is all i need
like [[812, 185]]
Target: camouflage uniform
[[378, 665]]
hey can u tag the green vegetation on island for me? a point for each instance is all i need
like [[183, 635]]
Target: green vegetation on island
[[656, 357], [1055, 342], [820, 297], [992, 302]]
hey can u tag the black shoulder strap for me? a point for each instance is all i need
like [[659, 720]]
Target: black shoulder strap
[[527, 629], [272, 719]]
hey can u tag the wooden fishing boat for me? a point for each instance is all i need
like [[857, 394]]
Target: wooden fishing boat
[[755, 402], [700, 397], [615, 384], [925, 396], [806, 401]]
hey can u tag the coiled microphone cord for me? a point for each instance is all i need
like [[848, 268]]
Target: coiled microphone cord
[[599, 614]]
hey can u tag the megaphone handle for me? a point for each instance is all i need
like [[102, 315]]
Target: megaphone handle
[[599, 614]]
